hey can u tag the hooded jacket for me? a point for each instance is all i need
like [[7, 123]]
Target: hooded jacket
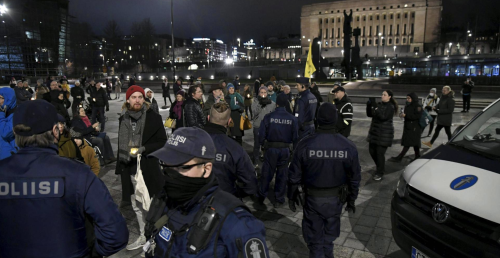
[[445, 109], [430, 102], [7, 139], [412, 130], [153, 104], [90, 157]]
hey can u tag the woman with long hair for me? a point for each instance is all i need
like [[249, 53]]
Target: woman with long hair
[[176, 110], [381, 131], [444, 111]]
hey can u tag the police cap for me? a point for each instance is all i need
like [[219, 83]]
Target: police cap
[[185, 144], [302, 80], [39, 115]]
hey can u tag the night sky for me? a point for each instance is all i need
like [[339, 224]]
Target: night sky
[[229, 19]]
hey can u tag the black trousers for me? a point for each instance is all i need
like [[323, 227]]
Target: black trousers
[[378, 155], [447, 129], [466, 102], [165, 99]]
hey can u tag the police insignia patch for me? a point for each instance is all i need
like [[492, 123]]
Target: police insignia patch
[[254, 248], [165, 233]]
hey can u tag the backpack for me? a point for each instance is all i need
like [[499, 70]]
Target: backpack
[[425, 119]]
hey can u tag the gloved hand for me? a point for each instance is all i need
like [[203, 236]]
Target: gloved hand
[[350, 207], [264, 101], [241, 110], [107, 109], [139, 151], [293, 197]]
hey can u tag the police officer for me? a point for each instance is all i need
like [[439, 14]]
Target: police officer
[[193, 216], [305, 107], [345, 111], [327, 166], [232, 166], [277, 134], [48, 201]]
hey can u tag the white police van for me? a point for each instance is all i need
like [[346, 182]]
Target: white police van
[[447, 203]]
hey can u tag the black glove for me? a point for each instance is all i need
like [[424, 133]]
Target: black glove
[[293, 197], [264, 101], [107, 109], [350, 207], [241, 110]]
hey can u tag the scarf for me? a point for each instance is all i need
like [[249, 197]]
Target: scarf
[[178, 109], [86, 120], [130, 132]]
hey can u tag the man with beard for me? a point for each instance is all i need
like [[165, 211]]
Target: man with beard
[[135, 138], [99, 99], [214, 98], [193, 216]]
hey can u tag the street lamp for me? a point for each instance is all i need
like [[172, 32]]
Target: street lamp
[[3, 9], [449, 49], [342, 52], [238, 41], [379, 34], [394, 51]]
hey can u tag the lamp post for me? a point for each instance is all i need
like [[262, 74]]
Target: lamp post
[[3, 10], [449, 49], [319, 60], [238, 39], [379, 34], [173, 45], [382, 42]]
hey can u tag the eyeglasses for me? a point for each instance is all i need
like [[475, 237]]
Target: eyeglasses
[[183, 167]]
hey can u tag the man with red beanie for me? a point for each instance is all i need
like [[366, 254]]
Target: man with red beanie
[[135, 138]]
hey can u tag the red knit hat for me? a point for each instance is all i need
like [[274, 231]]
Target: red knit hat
[[133, 89]]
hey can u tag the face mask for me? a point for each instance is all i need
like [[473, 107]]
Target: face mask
[[181, 188], [431, 94]]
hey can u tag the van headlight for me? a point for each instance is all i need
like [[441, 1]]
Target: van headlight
[[401, 187]]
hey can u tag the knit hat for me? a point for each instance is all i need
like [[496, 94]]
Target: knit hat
[[182, 93], [215, 87], [75, 134], [282, 100], [327, 114], [230, 85], [133, 89], [263, 88], [269, 83]]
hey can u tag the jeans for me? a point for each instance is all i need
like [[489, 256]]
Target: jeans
[[256, 146], [466, 100], [447, 129], [378, 155], [95, 111]]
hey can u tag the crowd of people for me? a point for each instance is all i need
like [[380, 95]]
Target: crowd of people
[[175, 184]]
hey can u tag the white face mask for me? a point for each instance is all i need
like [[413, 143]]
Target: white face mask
[[431, 94]]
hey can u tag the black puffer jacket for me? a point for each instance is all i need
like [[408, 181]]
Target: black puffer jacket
[[193, 114], [381, 129], [445, 109], [412, 129], [61, 109]]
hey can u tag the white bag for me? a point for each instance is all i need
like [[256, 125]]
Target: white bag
[[141, 191]]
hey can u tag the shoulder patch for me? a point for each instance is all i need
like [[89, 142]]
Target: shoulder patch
[[254, 248]]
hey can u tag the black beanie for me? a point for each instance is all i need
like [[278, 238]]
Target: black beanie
[[327, 114], [282, 100]]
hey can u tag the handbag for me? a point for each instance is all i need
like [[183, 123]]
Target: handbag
[[141, 191], [170, 123], [425, 119], [245, 123]]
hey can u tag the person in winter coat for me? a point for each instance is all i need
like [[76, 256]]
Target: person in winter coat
[[381, 131], [431, 101], [270, 92], [466, 94], [165, 87], [7, 108], [176, 110], [22, 93], [444, 109], [193, 111], [247, 93], [91, 133], [142, 129], [88, 154], [260, 108], [256, 86], [331, 94], [91, 87], [118, 88], [78, 95], [40, 91], [62, 106], [315, 91], [237, 84], [236, 103], [178, 85], [109, 88], [99, 100], [26, 86], [150, 98], [13, 82], [287, 91], [65, 88], [67, 148], [215, 95], [411, 130]]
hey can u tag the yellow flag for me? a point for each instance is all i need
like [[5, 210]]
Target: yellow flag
[[310, 69]]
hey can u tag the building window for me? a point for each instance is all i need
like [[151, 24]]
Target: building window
[[397, 40], [338, 43], [370, 31], [384, 7], [319, 12], [404, 40], [338, 33], [369, 42], [326, 43], [326, 21], [411, 41], [370, 8], [326, 35], [378, 17], [377, 31], [413, 5], [391, 6], [333, 32], [397, 30], [390, 41], [377, 7], [333, 43], [404, 31], [364, 18], [398, 6], [338, 19], [384, 16], [412, 15], [376, 42], [392, 16], [331, 12], [333, 20], [338, 11], [371, 18], [399, 15], [320, 21], [364, 30], [412, 28], [363, 9], [357, 10], [406, 15], [383, 31]]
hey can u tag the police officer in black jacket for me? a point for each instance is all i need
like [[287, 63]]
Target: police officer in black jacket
[[327, 165], [345, 111], [99, 100]]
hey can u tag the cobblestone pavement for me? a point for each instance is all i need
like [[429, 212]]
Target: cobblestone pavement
[[367, 233]]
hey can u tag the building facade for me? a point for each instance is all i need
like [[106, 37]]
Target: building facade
[[388, 27]]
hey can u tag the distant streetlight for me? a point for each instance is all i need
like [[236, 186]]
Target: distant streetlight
[[238, 41], [378, 44], [449, 49], [3, 9], [342, 52]]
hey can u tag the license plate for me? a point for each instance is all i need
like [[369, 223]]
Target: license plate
[[415, 253]]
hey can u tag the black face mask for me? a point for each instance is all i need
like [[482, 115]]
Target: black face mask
[[181, 189]]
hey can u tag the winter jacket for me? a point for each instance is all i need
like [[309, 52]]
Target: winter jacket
[[445, 109], [430, 102], [259, 112], [467, 88], [178, 120], [118, 87], [22, 95], [315, 92], [272, 95], [101, 98], [78, 95], [177, 88], [345, 112], [66, 90], [7, 139], [41, 90], [83, 128], [248, 97], [165, 87], [237, 105], [235, 101], [90, 157], [152, 102], [193, 113], [67, 147], [412, 130], [61, 109], [381, 129], [153, 138]]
